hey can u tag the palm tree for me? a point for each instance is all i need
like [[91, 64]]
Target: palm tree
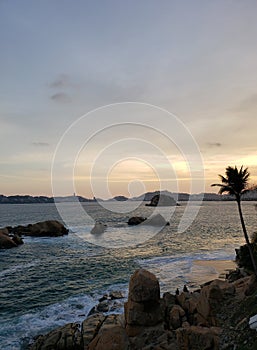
[[236, 183]]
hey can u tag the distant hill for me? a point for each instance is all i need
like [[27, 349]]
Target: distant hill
[[178, 197]]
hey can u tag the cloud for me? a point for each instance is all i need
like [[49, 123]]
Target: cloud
[[248, 104], [61, 97], [214, 144], [40, 144], [62, 81]]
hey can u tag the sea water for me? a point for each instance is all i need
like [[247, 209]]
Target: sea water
[[48, 282]]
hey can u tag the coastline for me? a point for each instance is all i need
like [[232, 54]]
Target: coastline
[[203, 271]]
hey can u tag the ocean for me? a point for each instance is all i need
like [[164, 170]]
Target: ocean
[[48, 282]]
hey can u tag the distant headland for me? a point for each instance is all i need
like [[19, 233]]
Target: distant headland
[[179, 197]]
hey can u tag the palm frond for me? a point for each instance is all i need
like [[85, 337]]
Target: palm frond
[[235, 182]]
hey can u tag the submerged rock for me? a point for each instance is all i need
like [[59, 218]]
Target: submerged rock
[[98, 228]]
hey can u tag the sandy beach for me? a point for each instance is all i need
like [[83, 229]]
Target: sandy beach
[[206, 270]]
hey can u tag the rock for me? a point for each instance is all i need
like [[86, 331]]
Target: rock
[[6, 242], [104, 297], [156, 220], [90, 328], [210, 300], [67, 337], [51, 228], [175, 317], [4, 231], [103, 306], [116, 295], [17, 239], [98, 228], [136, 220], [144, 286], [143, 308], [110, 336], [161, 200], [198, 338], [142, 314], [154, 338]]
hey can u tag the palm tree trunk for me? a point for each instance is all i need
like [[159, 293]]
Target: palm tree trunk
[[246, 236]]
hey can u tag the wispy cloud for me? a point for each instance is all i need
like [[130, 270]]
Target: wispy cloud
[[62, 81], [248, 104], [61, 97], [40, 144], [214, 144]]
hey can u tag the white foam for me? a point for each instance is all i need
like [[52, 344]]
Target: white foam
[[175, 271], [22, 330], [25, 327]]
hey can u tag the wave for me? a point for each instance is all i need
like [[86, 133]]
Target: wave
[[19, 267], [18, 333]]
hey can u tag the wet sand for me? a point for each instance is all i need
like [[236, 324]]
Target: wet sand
[[203, 271]]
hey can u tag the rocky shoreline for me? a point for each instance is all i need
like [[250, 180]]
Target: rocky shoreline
[[11, 237], [216, 316]]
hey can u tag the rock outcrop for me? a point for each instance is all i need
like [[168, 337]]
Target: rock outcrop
[[50, 228], [162, 200], [143, 307], [197, 321], [11, 237]]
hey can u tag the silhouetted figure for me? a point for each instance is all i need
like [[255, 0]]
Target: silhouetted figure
[[185, 289], [177, 291]]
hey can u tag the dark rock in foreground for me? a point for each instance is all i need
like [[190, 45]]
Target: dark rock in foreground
[[162, 200]]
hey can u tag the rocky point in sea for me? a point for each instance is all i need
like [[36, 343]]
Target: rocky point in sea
[[11, 237], [214, 317]]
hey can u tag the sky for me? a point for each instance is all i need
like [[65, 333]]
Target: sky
[[61, 62]]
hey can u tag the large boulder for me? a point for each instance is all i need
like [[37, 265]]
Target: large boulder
[[51, 228], [143, 308], [144, 286], [162, 200]]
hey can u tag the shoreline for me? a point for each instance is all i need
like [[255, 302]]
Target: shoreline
[[204, 271]]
